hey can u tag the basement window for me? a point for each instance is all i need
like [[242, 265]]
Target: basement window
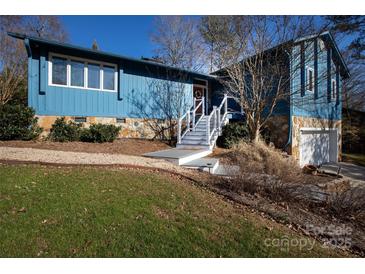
[[121, 120], [80, 119]]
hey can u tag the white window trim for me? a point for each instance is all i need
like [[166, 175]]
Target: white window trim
[[86, 62], [333, 92], [307, 79]]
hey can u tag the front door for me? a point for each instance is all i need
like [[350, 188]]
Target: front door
[[199, 93]]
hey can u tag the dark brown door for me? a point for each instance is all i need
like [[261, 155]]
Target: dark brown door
[[198, 93]]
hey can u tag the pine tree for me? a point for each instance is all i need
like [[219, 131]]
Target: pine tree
[[354, 26], [95, 45]]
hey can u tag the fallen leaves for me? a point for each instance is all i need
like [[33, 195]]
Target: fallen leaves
[[22, 210]]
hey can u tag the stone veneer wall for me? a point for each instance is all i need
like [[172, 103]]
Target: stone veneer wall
[[307, 122], [132, 128]]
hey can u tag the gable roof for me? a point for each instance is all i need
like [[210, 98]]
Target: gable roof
[[106, 54], [326, 35]]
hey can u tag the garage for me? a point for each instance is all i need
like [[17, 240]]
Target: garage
[[318, 146]]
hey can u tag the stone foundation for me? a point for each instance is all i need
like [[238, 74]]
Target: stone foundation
[[130, 127], [306, 122]]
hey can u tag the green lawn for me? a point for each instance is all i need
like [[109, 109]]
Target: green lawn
[[95, 212], [354, 158]]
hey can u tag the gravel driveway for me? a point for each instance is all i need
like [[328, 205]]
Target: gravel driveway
[[63, 157]]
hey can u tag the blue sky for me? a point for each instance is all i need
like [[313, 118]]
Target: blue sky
[[125, 35]]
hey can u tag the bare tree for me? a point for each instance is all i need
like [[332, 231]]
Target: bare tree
[[254, 54], [165, 99], [13, 58], [45, 26], [178, 42]]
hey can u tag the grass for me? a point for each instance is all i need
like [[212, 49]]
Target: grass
[[96, 212], [354, 158]]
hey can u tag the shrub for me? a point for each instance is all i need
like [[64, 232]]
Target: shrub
[[99, 133], [348, 205], [63, 131], [18, 123], [232, 133], [261, 158]]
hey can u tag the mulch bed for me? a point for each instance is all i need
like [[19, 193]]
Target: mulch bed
[[135, 147]]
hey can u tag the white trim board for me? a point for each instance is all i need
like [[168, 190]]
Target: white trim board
[[86, 62]]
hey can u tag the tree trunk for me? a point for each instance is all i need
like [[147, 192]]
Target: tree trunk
[[256, 135], [254, 132]]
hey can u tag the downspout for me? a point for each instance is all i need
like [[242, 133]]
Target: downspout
[[30, 56], [290, 105], [27, 47]]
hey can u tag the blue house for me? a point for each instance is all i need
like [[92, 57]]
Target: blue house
[[90, 86]]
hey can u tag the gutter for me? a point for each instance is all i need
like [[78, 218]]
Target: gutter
[[290, 105], [107, 54]]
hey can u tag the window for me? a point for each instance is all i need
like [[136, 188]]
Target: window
[[77, 73], [310, 79], [81, 73], [121, 120], [59, 71], [334, 88], [80, 119], [108, 80], [93, 76], [321, 45]]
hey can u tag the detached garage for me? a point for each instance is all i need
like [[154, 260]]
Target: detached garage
[[318, 146]]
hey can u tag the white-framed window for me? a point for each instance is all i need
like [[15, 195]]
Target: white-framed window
[[334, 88], [75, 72], [59, 71], [322, 46], [309, 79]]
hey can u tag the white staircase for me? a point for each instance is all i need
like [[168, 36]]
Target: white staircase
[[197, 135], [201, 131]]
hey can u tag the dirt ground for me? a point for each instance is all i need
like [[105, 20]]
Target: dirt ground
[[121, 146]]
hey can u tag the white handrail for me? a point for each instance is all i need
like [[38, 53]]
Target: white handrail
[[187, 114], [195, 110], [219, 120]]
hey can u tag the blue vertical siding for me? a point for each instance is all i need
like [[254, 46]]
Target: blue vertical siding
[[64, 101], [314, 104]]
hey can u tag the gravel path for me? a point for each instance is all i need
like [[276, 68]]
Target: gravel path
[[63, 157]]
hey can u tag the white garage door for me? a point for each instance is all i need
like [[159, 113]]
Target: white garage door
[[318, 146]]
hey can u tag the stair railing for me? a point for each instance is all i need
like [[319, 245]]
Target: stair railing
[[195, 109], [214, 123], [216, 120], [180, 134], [222, 117], [190, 120]]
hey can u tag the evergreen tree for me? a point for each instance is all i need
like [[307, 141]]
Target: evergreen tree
[[95, 45]]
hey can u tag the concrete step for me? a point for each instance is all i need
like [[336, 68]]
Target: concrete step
[[196, 133], [193, 142], [180, 155], [186, 146], [195, 137], [206, 164]]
